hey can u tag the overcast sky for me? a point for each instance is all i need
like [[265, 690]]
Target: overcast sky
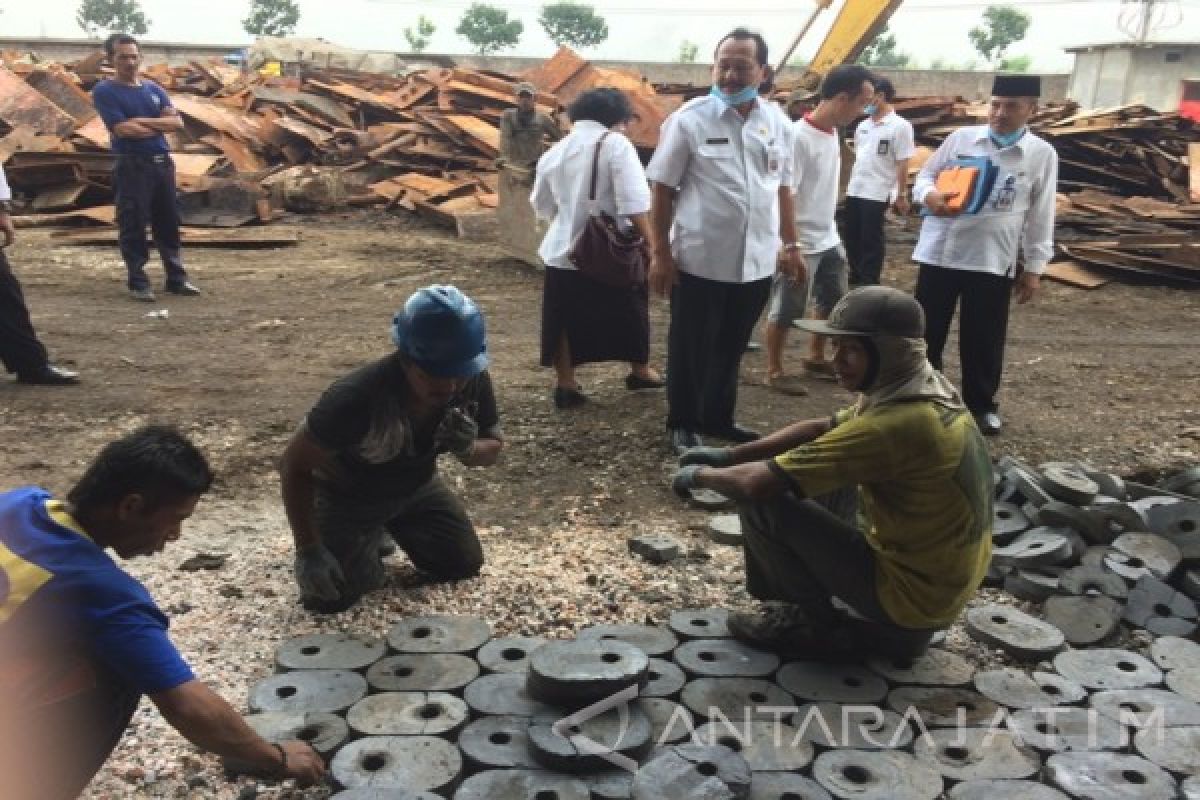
[[649, 30]]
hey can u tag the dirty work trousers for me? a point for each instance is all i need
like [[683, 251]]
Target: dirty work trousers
[[982, 327], [145, 189], [865, 239], [806, 553], [711, 323], [20, 350], [430, 525]]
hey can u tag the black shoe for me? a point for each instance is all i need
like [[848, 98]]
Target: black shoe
[[184, 289], [49, 375], [683, 439], [989, 423], [568, 398], [143, 295], [736, 433], [636, 382]]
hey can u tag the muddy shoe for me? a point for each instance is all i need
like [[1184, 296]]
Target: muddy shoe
[[787, 384], [775, 628], [822, 370]]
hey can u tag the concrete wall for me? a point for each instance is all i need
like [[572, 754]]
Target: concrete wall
[[174, 53], [1152, 75]]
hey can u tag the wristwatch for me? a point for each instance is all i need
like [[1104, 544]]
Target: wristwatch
[[791, 246]]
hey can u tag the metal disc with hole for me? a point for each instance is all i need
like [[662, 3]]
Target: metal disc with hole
[[1014, 631], [724, 658], [1033, 548], [693, 772], [1110, 485], [497, 743], [670, 723], [1110, 520], [1107, 668], [1028, 486], [1016, 689], [1083, 580], [1185, 683], [329, 651], [1109, 776], [977, 754], [876, 775], [785, 786], [1189, 547], [588, 744], [574, 674], [725, 529], [1143, 553], [408, 714], [420, 763], [733, 698], [1160, 609], [383, 794], [439, 633], [1009, 790], [1174, 519], [936, 667], [508, 654], [1084, 619], [1146, 707], [767, 745], [653, 640], [329, 690], [1173, 652], [857, 727], [1032, 584], [422, 672], [1174, 749], [612, 784], [700, 623], [522, 784], [1007, 521], [503, 693], [1057, 514], [1061, 728], [709, 500], [940, 707], [1069, 483], [663, 679], [324, 732], [818, 682]]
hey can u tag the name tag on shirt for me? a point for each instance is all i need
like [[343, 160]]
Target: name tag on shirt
[[716, 141], [884, 147]]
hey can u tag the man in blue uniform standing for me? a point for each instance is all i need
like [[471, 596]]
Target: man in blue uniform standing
[[138, 113]]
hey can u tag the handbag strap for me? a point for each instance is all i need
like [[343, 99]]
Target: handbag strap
[[596, 166]]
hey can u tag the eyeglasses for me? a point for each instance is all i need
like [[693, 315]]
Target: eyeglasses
[[740, 68]]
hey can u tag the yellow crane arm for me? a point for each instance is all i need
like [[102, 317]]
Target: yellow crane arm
[[856, 26]]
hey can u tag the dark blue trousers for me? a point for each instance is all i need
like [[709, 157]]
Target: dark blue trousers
[[20, 349], [145, 189]]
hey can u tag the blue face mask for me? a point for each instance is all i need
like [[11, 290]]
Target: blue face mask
[[870, 109], [1003, 140], [737, 98]]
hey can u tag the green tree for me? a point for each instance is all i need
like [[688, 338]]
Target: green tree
[[882, 52], [111, 16], [687, 52], [1016, 64], [574, 24], [271, 18], [1002, 26], [418, 38], [489, 29]]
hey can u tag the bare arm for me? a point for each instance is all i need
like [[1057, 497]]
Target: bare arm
[[8, 232], [781, 441], [135, 128], [302, 457], [752, 481], [485, 453], [663, 271], [791, 260], [902, 205]]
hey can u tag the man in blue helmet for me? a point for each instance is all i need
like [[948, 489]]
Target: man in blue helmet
[[364, 461]]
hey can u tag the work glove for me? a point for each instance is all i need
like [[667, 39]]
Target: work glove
[[707, 456], [684, 480], [456, 433], [319, 574]]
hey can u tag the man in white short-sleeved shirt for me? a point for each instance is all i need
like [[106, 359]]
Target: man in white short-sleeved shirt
[[722, 210], [883, 146]]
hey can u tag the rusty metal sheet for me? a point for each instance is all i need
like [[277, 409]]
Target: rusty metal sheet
[[104, 215], [59, 197], [21, 104], [484, 136], [240, 125], [95, 133], [241, 156], [1194, 172], [60, 88], [555, 73], [195, 163], [25, 139]]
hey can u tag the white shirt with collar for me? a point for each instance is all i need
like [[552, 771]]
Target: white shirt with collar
[[1019, 214], [817, 168], [878, 147], [728, 170], [5, 192], [564, 173]]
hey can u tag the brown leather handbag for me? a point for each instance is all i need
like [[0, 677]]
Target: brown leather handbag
[[604, 252]]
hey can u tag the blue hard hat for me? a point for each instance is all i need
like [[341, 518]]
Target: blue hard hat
[[442, 331]]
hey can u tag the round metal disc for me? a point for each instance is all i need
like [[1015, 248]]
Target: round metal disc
[[329, 651], [670, 723], [522, 784], [421, 763], [624, 730], [503, 693], [700, 623], [1146, 707], [1109, 776], [439, 633], [383, 794], [1054, 730], [613, 784], [733, 698], [1136, 554], [876, 775], [1014, 631], [301, 691], [1107, 668], [724, 658], [1085, 619], [939, 707], [497, 743], [689, 772], [785, 786], [416, 672], [818, 682], [767, 745], [1009, 790], [725, 529], [652, 640], [976, 753], [1173, 652], [1173, 749], [1007, 521], [1160, 609], [663, 679], [1069, 483], [857, 727], [935, 668], [1014, 688], [509, 654], [407, 714], [1093, 580], [1185, 683], [574, 674], [324, 732]]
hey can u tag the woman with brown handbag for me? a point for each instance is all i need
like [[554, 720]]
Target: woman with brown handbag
[[592, 188]]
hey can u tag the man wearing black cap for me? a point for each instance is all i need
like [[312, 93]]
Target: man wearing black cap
[[975, 255], [524, 130], [908, 452]]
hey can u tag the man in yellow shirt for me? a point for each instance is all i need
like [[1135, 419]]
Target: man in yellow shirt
[[906, 463]]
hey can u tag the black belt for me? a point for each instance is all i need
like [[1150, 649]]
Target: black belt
[[157, 158]]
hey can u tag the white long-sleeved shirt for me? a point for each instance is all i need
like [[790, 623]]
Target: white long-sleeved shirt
[[5, 192], [728, 170], [560, 191], [1019, 214]]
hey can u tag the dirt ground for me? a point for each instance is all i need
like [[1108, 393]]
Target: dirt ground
[[1111, 377]]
